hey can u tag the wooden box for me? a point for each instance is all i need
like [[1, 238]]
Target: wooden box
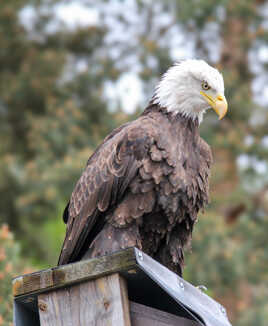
[[122, 289]]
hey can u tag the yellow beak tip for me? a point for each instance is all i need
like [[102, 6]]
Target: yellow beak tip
[[218, 104], [221, 108]]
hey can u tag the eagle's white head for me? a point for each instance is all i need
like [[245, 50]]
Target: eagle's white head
[[190, 88]]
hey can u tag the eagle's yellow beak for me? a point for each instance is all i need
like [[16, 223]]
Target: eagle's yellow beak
[[218, 104]]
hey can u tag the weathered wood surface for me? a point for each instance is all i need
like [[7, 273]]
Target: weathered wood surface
[[146, 316], [66, 275], [101, 302]]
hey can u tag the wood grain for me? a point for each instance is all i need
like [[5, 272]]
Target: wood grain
[[101, 302], [66, 275], [147, 316]]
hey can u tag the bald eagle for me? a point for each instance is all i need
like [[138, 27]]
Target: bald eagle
[[145, 184]]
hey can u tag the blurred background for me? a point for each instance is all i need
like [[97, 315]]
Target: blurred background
[[71, 71]]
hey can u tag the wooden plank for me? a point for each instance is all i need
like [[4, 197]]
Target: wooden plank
[[102, 302], [146, 316], [66, 275]]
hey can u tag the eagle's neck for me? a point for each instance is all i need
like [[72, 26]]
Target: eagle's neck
[[177, 120]]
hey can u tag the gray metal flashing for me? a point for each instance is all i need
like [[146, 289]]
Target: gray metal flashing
[[192, 299]]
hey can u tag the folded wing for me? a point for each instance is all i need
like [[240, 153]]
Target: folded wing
[[102, 184]]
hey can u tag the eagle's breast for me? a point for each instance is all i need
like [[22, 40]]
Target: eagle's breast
[[174, 175]]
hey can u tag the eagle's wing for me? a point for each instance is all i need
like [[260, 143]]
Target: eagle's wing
[[107, 175]]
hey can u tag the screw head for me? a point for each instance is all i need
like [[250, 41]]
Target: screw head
[[202, 288], [222, 309], [181, 285]]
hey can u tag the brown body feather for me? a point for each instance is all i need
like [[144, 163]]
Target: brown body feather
[[144, 187]]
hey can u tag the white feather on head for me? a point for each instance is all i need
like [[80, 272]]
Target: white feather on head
[[179, 89]]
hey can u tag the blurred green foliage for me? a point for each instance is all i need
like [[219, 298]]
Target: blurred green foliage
[[54, 111], [50, 121], [11, 264]]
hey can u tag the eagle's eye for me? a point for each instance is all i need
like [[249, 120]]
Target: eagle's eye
[[205, 85]]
